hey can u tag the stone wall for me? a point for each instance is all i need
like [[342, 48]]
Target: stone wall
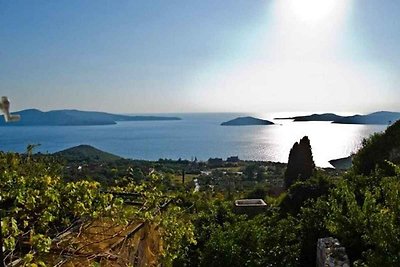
[[331, 254]]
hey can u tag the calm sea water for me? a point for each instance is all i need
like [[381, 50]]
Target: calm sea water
[[197, 135]]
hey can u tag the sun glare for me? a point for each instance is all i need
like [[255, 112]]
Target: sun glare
[[313, 10]]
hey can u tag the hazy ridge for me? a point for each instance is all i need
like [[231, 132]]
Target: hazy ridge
[[71, 117]]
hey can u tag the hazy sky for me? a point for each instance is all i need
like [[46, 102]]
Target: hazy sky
[[201, 56]]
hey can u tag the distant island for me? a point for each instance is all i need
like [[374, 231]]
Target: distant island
[[381, 117], [246, 121], [66, 117], [314, 117]]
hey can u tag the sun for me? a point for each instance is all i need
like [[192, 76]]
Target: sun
[[313, 10]]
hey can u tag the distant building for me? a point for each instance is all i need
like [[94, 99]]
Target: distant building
[[233, 159]]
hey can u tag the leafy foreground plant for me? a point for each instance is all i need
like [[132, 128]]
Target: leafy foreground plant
[[159, 210], [37, 205], [366, 218]]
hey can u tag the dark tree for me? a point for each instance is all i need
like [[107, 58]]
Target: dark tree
[[250, 171], [301, 164]]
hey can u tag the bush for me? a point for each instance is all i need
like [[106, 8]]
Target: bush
[[376, 150]]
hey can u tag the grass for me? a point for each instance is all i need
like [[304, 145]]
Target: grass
[[230, 169], [177, 179]]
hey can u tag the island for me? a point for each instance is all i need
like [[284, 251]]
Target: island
[[380, 117], [71, 117], [246, 121], [314, 117]]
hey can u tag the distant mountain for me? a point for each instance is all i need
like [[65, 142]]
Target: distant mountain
[[68, 117], [86, 153], [245, 121], [314, 117], [381, 117]]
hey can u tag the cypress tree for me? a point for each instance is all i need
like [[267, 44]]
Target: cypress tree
[[301, 164]]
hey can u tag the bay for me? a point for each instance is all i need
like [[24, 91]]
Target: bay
[[196, 135]]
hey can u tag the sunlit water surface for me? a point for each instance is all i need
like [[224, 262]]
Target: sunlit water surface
[[196, 135]]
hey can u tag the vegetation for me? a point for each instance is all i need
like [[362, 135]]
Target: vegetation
[[361, 211], [200, 226], [36, 204], [377, 150]]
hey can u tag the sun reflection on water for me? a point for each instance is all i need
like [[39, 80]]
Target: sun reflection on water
[[329, 141]]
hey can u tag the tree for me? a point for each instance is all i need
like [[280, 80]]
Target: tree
[[377, 149], [266, 240], [302, 191], [258, 192], [250, 171], [366, 220], [228, 239], [301, 164]]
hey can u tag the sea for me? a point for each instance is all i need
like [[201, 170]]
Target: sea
[[198, 136]]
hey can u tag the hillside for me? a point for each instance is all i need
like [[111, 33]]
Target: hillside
[[246, 121], [377, 149], [381, 117], [35, 117], [86, 153], [78, 209]]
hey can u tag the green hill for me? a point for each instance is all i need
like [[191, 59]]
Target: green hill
[[86, 153], [377, 149]]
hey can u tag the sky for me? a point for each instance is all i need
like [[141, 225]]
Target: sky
[[201, 56]]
